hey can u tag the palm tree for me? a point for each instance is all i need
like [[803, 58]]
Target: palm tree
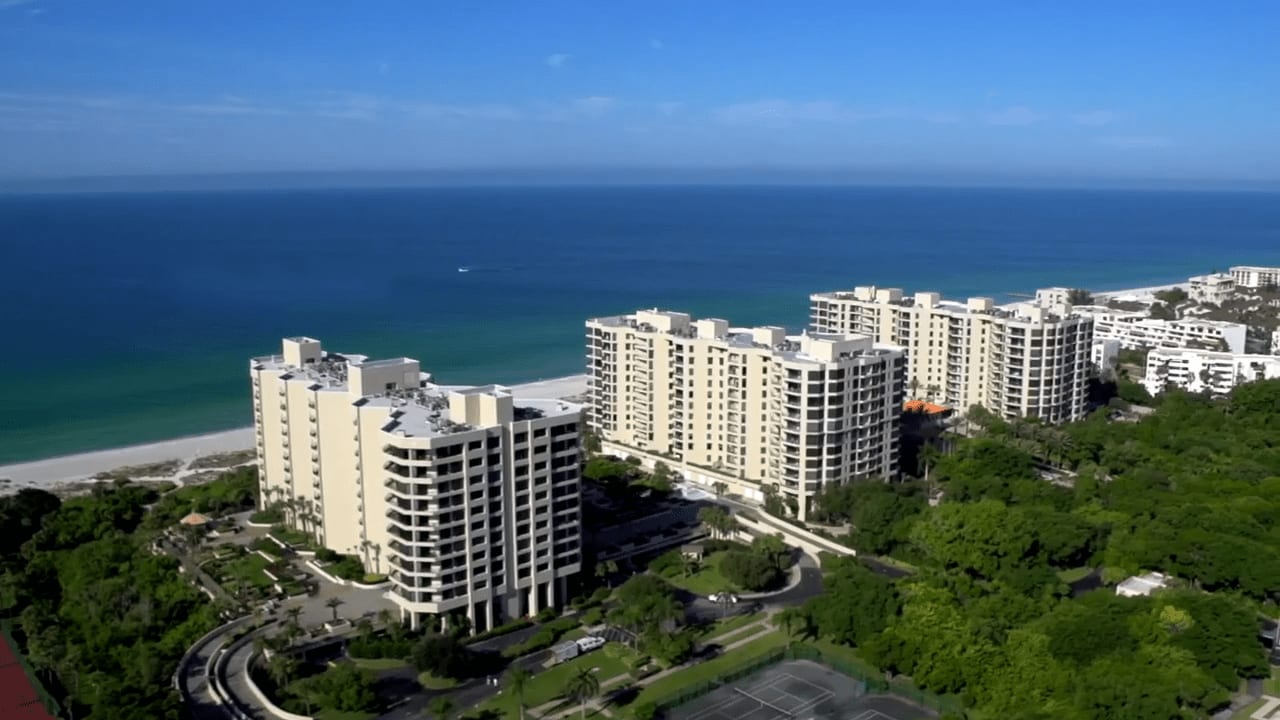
[[927, 458], [606, 569], [789, 619], [281, 668], [720, 487], [440, 708], [517, 679], [293, 614], [364, 626], [583, 686], [915, 388], [332, 604]]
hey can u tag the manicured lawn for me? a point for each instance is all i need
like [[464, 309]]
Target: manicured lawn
[[1074, 574], [707, 580], [431, 682], [724, 628], [379, 663], [1248, 710], [702, 672], [547, 685], [1272, 686], [249, 568]]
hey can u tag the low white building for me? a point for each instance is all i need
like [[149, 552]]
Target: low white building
[[1137, 331], [1205, 371], [1252, 276], [1142, 585], [1214, 288]]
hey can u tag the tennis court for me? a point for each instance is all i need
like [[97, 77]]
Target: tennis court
[[796, 690]]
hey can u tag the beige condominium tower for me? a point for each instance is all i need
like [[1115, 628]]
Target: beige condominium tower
[[752, 408], [465, 497], [1028, 360]]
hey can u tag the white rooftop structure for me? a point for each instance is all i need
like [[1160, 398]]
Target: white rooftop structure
[[1142, 585]]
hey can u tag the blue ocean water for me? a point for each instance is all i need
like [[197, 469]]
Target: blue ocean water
[[130, 317]]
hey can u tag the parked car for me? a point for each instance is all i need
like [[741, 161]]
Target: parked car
[[589, 643], [723, 597]]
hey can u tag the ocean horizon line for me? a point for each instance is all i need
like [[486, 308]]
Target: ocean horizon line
[[620, 177]]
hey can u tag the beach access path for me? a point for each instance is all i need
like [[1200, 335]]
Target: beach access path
[[50, 473]]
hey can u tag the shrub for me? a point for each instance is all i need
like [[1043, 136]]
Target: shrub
[[600, 595], [594, 616], [347, 567], [266, 517], [667, 564], [645, 711], [500, 630], [547, 615], [380, 646], [749, 570], [640, 663], [326, 555]]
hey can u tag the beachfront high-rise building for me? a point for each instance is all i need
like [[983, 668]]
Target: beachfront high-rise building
[[753, 408], [1026, 360], [467, 498], [1251, 276]]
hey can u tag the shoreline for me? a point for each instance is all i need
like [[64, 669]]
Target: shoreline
[[50, 473]]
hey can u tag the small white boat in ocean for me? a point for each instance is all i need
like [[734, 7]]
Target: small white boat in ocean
[[464, 269]]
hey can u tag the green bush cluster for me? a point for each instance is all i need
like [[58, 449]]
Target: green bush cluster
[[546, 636]]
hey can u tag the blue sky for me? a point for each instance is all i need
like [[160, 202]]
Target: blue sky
[[1115, 89]]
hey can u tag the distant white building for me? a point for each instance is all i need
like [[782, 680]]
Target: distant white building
[[1251, 276], [1142, 585], [1213, 288], [1205, 371], [1104, 354], [1135, 331]]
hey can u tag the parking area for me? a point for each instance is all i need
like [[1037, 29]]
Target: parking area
[[799, 690]]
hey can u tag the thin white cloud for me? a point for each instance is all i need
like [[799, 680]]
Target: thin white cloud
[[1094, 118], [1134, 142], [1016, 115], [942, 118], [783, 112], [348, 106], [227, 105], [656, 44], [6, 4], [667, 109], [557, 60], [593, 106], [583, 108], [470, 112]]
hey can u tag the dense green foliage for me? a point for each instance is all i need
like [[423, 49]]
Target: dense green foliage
[[233, 491], [620, 477], [342, 687], [107, 617], [1192, 490], [750, 570]]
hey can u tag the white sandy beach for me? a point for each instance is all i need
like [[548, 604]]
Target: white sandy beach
[[1142, 294], [48, 474]]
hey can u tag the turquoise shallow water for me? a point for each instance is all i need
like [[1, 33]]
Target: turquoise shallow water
[[131, 316]]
